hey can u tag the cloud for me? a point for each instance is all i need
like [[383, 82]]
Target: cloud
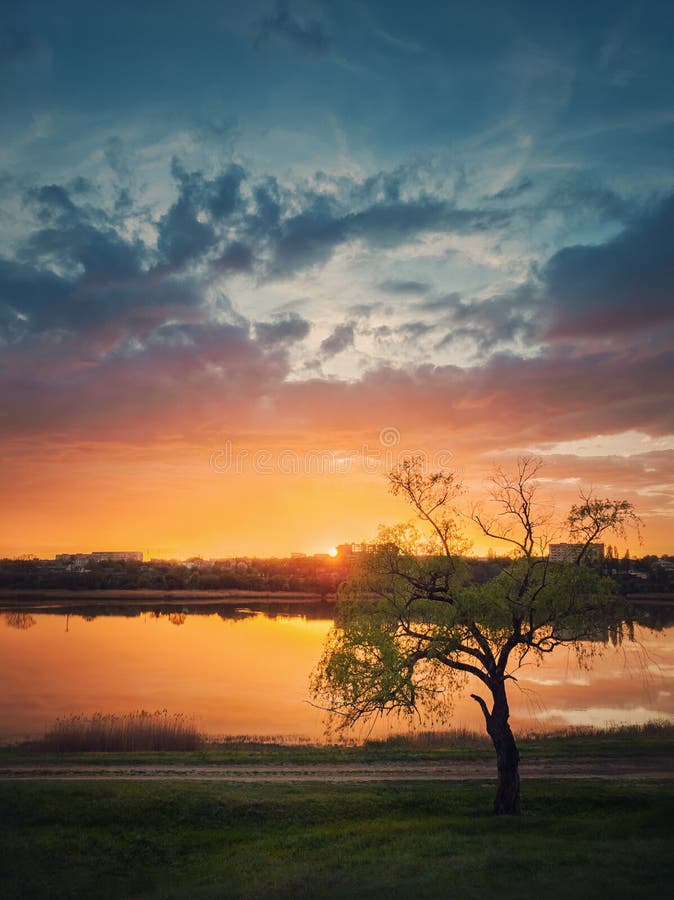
[[311, 237], [621, 286], [180, 379], [340, 340], [224, 192], [511, 191], [305, 34], [92, 321], [188, 230], [235, 257], [443, 303], [495, 321], [284, 329], [394, 286], [182, 237], [307, 239]]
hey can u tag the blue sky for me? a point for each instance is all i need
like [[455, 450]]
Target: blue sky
[[286, 207]]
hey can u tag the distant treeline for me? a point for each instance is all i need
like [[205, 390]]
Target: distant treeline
[[258, 575], [306, 575]]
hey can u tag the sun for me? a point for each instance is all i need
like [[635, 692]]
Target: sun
[[332, 552]]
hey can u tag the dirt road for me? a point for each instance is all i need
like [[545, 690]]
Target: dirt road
[[605, 769]]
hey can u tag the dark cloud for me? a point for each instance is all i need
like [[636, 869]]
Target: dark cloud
[[510, 191], [388, 224], [312, 236], [623, 285], [78, 239], [444, 303], [404, 287], [81, 186], [54, 204], [282, 330], [308, 239], [31, 298], [582, 193], [307, 35], [498, 320], [236, 257], [615, 290], [123, 202], [76, 274], [268, 208], [36, 302], [407, 331], [340, 339], [101, 253], [223, 192], [182, 236]]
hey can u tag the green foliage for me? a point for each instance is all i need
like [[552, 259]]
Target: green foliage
[[412, 626]]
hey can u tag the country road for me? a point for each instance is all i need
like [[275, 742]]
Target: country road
[[604, 769]]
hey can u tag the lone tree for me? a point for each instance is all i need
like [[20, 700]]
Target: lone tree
[[412, 626]]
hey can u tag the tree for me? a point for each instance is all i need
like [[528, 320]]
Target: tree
[[593, 517], [412, 626]]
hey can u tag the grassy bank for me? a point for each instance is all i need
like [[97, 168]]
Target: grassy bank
[[651, 740], [114, 840]]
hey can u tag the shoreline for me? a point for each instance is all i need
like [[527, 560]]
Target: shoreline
[[48, 597]]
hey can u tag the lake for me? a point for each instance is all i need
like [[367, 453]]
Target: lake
[[245, 672]]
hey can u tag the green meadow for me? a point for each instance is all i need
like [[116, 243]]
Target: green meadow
[[123, 839], [577, 838]]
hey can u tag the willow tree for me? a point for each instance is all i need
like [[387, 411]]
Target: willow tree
[[412, 627]]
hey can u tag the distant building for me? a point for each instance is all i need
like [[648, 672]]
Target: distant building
[[82, 560], [116, 556], [570, 552], [74, 562], [348, 551]]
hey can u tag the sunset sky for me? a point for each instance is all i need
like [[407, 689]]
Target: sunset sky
[[252, 252]]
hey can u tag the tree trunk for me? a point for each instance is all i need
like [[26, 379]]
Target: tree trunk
[[507, 802]]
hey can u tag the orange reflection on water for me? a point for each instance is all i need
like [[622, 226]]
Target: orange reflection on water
[[246, 676], [250, 675]]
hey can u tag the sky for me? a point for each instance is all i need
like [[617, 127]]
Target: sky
[[252, 254]]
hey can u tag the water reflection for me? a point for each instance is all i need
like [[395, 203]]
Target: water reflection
[[21, 620], [245, 670]]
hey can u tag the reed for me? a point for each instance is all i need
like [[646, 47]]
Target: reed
[[140, 730], [428, 740]]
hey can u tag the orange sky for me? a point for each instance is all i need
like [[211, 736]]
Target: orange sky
[[177, 500]]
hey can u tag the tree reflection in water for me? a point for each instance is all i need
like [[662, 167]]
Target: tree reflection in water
[[21, 620]]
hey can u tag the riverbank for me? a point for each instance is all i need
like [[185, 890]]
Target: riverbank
[[11, 598]]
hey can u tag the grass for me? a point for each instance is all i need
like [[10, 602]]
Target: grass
[[652, 739], [137, 731], [213, 840]]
